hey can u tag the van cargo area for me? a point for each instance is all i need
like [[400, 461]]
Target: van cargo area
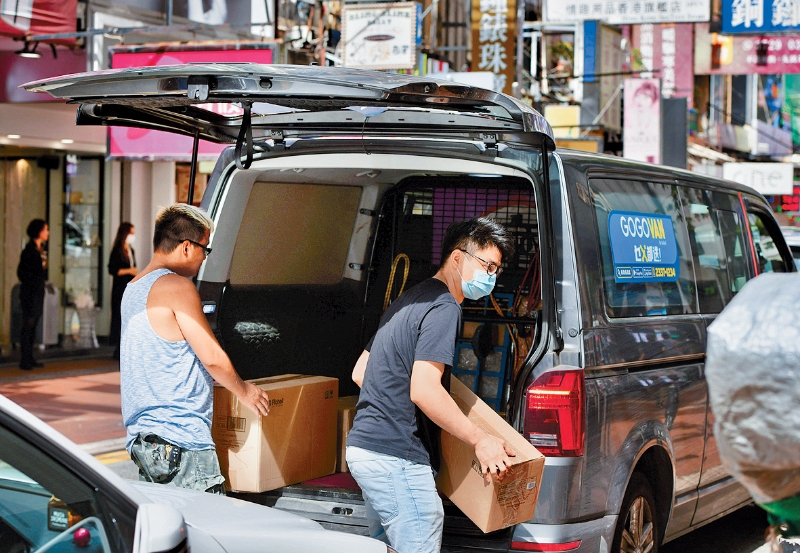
[[323, 245]]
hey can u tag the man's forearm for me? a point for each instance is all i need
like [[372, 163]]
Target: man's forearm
[[437, 404]]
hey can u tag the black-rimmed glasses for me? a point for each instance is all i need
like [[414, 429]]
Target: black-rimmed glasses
[[491, 267], [206, 249]]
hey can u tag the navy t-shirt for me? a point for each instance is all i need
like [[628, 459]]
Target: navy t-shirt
[[421, 325]]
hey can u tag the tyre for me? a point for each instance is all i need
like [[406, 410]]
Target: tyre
[[637, 527]]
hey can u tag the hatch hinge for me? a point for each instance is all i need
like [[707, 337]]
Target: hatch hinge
[[278, 139], [197, 88], [490, 141]]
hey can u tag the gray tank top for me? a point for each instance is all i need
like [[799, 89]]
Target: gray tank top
[[165, 389]]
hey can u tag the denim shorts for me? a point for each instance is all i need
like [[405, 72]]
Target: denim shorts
[[403, 507], [164, 463]]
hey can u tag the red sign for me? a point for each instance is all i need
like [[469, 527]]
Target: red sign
[[134, 143], [664, 49], [715, 54], [39, 17]]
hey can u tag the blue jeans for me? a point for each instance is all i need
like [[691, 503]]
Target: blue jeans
[[403, 507]]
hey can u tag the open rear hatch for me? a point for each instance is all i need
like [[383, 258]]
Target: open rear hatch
[[278, 99]]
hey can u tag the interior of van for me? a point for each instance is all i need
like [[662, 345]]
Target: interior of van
[[321, 252]]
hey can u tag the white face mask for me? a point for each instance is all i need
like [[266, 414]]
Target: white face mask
[[130, 239]]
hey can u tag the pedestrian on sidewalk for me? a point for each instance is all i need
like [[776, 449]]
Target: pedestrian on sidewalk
[[170, 358], [32, 273], [404, 376], [122, 268]]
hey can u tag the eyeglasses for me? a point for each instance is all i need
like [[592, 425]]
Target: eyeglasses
[[491, 267], [206, 249]]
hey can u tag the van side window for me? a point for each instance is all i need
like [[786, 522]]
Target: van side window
[[715, 236], [767, 253], [647, 267]]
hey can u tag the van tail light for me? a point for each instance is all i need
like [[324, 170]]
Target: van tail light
[[554, 417], [530, 546]]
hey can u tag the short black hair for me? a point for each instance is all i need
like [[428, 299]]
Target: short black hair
[[477, 233], [177, 223], [35, 228]]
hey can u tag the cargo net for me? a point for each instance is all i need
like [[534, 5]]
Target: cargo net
[[432, 210]]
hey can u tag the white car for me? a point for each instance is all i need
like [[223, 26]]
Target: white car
[[56, 498]]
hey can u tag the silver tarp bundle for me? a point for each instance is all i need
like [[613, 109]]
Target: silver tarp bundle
[[753, 373]]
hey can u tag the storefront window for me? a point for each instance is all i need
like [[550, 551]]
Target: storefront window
[[83, 216]]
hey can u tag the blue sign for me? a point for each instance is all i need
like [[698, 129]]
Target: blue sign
[[643, 247], [759, 16]]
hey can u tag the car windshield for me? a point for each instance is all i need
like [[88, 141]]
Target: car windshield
[[43, 506]]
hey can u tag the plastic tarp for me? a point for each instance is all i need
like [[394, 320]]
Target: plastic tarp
[[753, 374]]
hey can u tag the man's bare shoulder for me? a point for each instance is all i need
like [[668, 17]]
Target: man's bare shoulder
[[172, 287]]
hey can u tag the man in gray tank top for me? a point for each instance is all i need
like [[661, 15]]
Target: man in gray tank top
[[169, 360]]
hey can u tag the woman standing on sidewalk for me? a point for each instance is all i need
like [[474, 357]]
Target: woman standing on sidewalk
[[122, 267], [32, 273]]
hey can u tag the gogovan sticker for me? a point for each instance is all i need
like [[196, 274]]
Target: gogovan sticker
[[643, 247]]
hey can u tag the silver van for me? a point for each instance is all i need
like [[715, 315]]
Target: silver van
[[335, 198]]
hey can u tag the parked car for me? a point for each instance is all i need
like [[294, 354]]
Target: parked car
[[792, 235], [592, 345], [56, 498]]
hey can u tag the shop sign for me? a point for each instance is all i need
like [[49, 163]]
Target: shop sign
[[493, 40], [379, 36], [135, 143], [627, 12], [760, 16], [716, 54], [663, 49], [768, 178], [641, 136]]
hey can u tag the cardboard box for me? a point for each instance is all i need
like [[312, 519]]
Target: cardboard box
[[499, 504], [295, 442], [347, 412]]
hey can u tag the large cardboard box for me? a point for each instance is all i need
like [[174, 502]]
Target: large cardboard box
[[347, 412], [498, 504], [295, 442]]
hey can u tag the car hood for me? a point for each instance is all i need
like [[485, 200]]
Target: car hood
[[240, 527]]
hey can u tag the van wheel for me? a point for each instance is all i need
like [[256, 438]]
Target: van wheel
[[637, 528]]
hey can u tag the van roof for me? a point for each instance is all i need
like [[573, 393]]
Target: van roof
[[591, 161]]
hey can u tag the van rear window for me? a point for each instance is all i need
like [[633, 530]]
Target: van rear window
[[647, 265], [295, 234]]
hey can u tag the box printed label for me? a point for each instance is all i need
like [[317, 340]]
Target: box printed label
[[643, 247]]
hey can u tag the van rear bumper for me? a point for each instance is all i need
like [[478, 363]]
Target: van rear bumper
[[595, 535]]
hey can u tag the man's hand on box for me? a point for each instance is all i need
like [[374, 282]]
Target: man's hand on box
[[494, 456], [256, 399]]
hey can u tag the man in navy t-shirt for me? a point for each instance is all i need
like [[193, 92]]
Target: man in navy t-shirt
[[404, 372]]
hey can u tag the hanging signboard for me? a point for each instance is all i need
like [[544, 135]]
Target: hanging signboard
[[493, 40], [379, 36], [22, 18], [759, 16], [627, 12], [663, 49], [716, 54], [767, 178], [641, 136]]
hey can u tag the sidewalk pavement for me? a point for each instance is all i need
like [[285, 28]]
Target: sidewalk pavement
[[79, 398]]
